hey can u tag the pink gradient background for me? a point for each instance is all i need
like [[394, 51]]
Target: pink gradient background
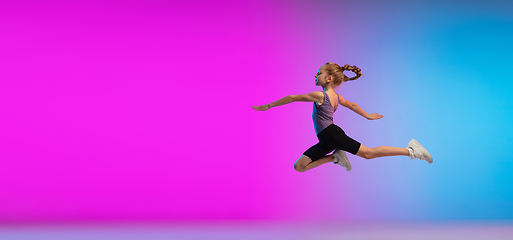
[[140, 110]]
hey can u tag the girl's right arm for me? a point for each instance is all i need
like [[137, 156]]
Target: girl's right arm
[[311, 97]]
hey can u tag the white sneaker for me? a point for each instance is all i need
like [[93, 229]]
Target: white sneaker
[[341, 159], [419, 151]]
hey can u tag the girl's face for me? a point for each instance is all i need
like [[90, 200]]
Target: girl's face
[[321, 77]]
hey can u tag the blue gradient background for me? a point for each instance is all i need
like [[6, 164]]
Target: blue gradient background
[[182, 77], [439, 72]]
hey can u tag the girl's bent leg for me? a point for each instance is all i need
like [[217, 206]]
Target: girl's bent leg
[[305, 163], [383, 151]]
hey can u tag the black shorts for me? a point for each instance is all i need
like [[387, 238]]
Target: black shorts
[[331, 138]]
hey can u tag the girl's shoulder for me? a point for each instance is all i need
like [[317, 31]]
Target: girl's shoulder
[[318, 96]]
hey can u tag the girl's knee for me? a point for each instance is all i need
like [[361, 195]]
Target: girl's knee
[[299, 168], [365, 152], [301, 163]]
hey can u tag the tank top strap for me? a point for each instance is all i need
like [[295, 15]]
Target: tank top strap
[[338, 100]]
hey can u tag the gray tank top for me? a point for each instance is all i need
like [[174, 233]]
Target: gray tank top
[[323, 114]]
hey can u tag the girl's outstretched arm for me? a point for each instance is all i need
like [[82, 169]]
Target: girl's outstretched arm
[[311, 97], [357, 109]]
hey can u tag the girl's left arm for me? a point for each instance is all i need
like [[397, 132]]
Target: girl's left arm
[[313, 96]]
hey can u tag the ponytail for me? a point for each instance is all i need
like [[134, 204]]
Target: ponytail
[[354, 69]]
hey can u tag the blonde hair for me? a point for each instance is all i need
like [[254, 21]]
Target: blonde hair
[[337, 72]]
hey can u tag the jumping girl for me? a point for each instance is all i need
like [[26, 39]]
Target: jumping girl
[[332, 137]]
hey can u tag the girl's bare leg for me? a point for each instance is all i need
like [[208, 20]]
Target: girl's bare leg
[[383, 151], [305, 163]]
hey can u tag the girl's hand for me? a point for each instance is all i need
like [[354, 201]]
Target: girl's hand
[[262, 107], [374, 116]]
